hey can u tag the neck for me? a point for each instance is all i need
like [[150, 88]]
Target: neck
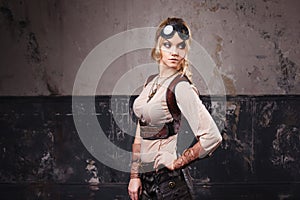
[[166, 71]]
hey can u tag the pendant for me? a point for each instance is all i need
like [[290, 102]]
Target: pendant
[[151, 94]]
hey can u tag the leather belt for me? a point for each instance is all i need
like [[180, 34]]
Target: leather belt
[[150, 132]]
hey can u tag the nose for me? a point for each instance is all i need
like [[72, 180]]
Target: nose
[[174, 51]]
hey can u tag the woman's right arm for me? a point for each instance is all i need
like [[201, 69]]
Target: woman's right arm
[[135, 184], [137, 139]]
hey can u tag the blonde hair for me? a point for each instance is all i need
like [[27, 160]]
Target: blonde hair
[[156, 52]]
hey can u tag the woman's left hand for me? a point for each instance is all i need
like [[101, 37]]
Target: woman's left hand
[[164, 158]]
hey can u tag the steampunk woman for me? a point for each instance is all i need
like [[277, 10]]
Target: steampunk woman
[[156, 170]]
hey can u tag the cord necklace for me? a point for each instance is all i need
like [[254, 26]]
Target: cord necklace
[[155, 86]]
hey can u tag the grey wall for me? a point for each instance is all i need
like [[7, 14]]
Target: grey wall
[[254, 43]]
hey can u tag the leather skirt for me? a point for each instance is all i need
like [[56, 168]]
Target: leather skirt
[[164, 184]]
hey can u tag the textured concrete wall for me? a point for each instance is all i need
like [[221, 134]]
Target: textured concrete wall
[[254, 43]]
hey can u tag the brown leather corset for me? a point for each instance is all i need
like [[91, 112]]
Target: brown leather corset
[[150, 132]]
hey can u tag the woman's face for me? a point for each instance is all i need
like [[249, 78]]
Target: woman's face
[[173, 51]]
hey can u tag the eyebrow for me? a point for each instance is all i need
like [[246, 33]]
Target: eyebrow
[[177, 43]]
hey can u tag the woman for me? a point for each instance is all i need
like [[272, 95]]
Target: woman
[[156, 171]]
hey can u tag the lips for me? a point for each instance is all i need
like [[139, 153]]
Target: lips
[[173, 59]]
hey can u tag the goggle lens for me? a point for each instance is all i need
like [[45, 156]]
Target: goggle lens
[[169, 30]]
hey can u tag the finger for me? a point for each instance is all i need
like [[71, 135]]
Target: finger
[[157, 156], [135, 196], [156, 162], [131, 194], [140, 190]]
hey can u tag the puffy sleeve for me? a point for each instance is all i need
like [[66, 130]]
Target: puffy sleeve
[[199, 119]]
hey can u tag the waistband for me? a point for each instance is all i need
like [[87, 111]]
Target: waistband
[[148, 168]]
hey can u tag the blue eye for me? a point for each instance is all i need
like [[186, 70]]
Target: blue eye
[[182, 45], [167, 44]]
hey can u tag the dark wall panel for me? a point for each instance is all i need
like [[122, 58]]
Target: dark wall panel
[[40, 144]]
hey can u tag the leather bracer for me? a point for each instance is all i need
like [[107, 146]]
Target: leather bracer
[[135, 161], [188, 156]]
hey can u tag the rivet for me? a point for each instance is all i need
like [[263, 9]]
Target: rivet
[[172, 184]]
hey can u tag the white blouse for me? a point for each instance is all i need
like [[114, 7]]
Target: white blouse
[[156, 112]]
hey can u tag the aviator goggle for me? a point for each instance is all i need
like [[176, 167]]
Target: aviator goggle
[[169, 30]]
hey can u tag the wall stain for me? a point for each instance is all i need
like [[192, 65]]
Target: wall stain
[[92, 171], [20, 31], [245, 7], [16, 27], [266, 115], [218, 50], [286, 148], [232, 116], [52, 88], [33, 49], [235, 141], [265, 34], [208, 5], [229, 85], [7, 14], [46, 166], [256, 76], [287, 71]]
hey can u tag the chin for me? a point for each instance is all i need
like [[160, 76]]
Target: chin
[[173, 65]]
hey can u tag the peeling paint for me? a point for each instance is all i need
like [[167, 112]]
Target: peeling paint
[[287, 70], [229, 85], [46, 165], [266, 114], [218, 50], [93, 173], [62, 175], [286, 148], [238, 142]]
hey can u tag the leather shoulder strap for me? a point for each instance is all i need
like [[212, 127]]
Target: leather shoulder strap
[[171, 98], [150, 78]]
